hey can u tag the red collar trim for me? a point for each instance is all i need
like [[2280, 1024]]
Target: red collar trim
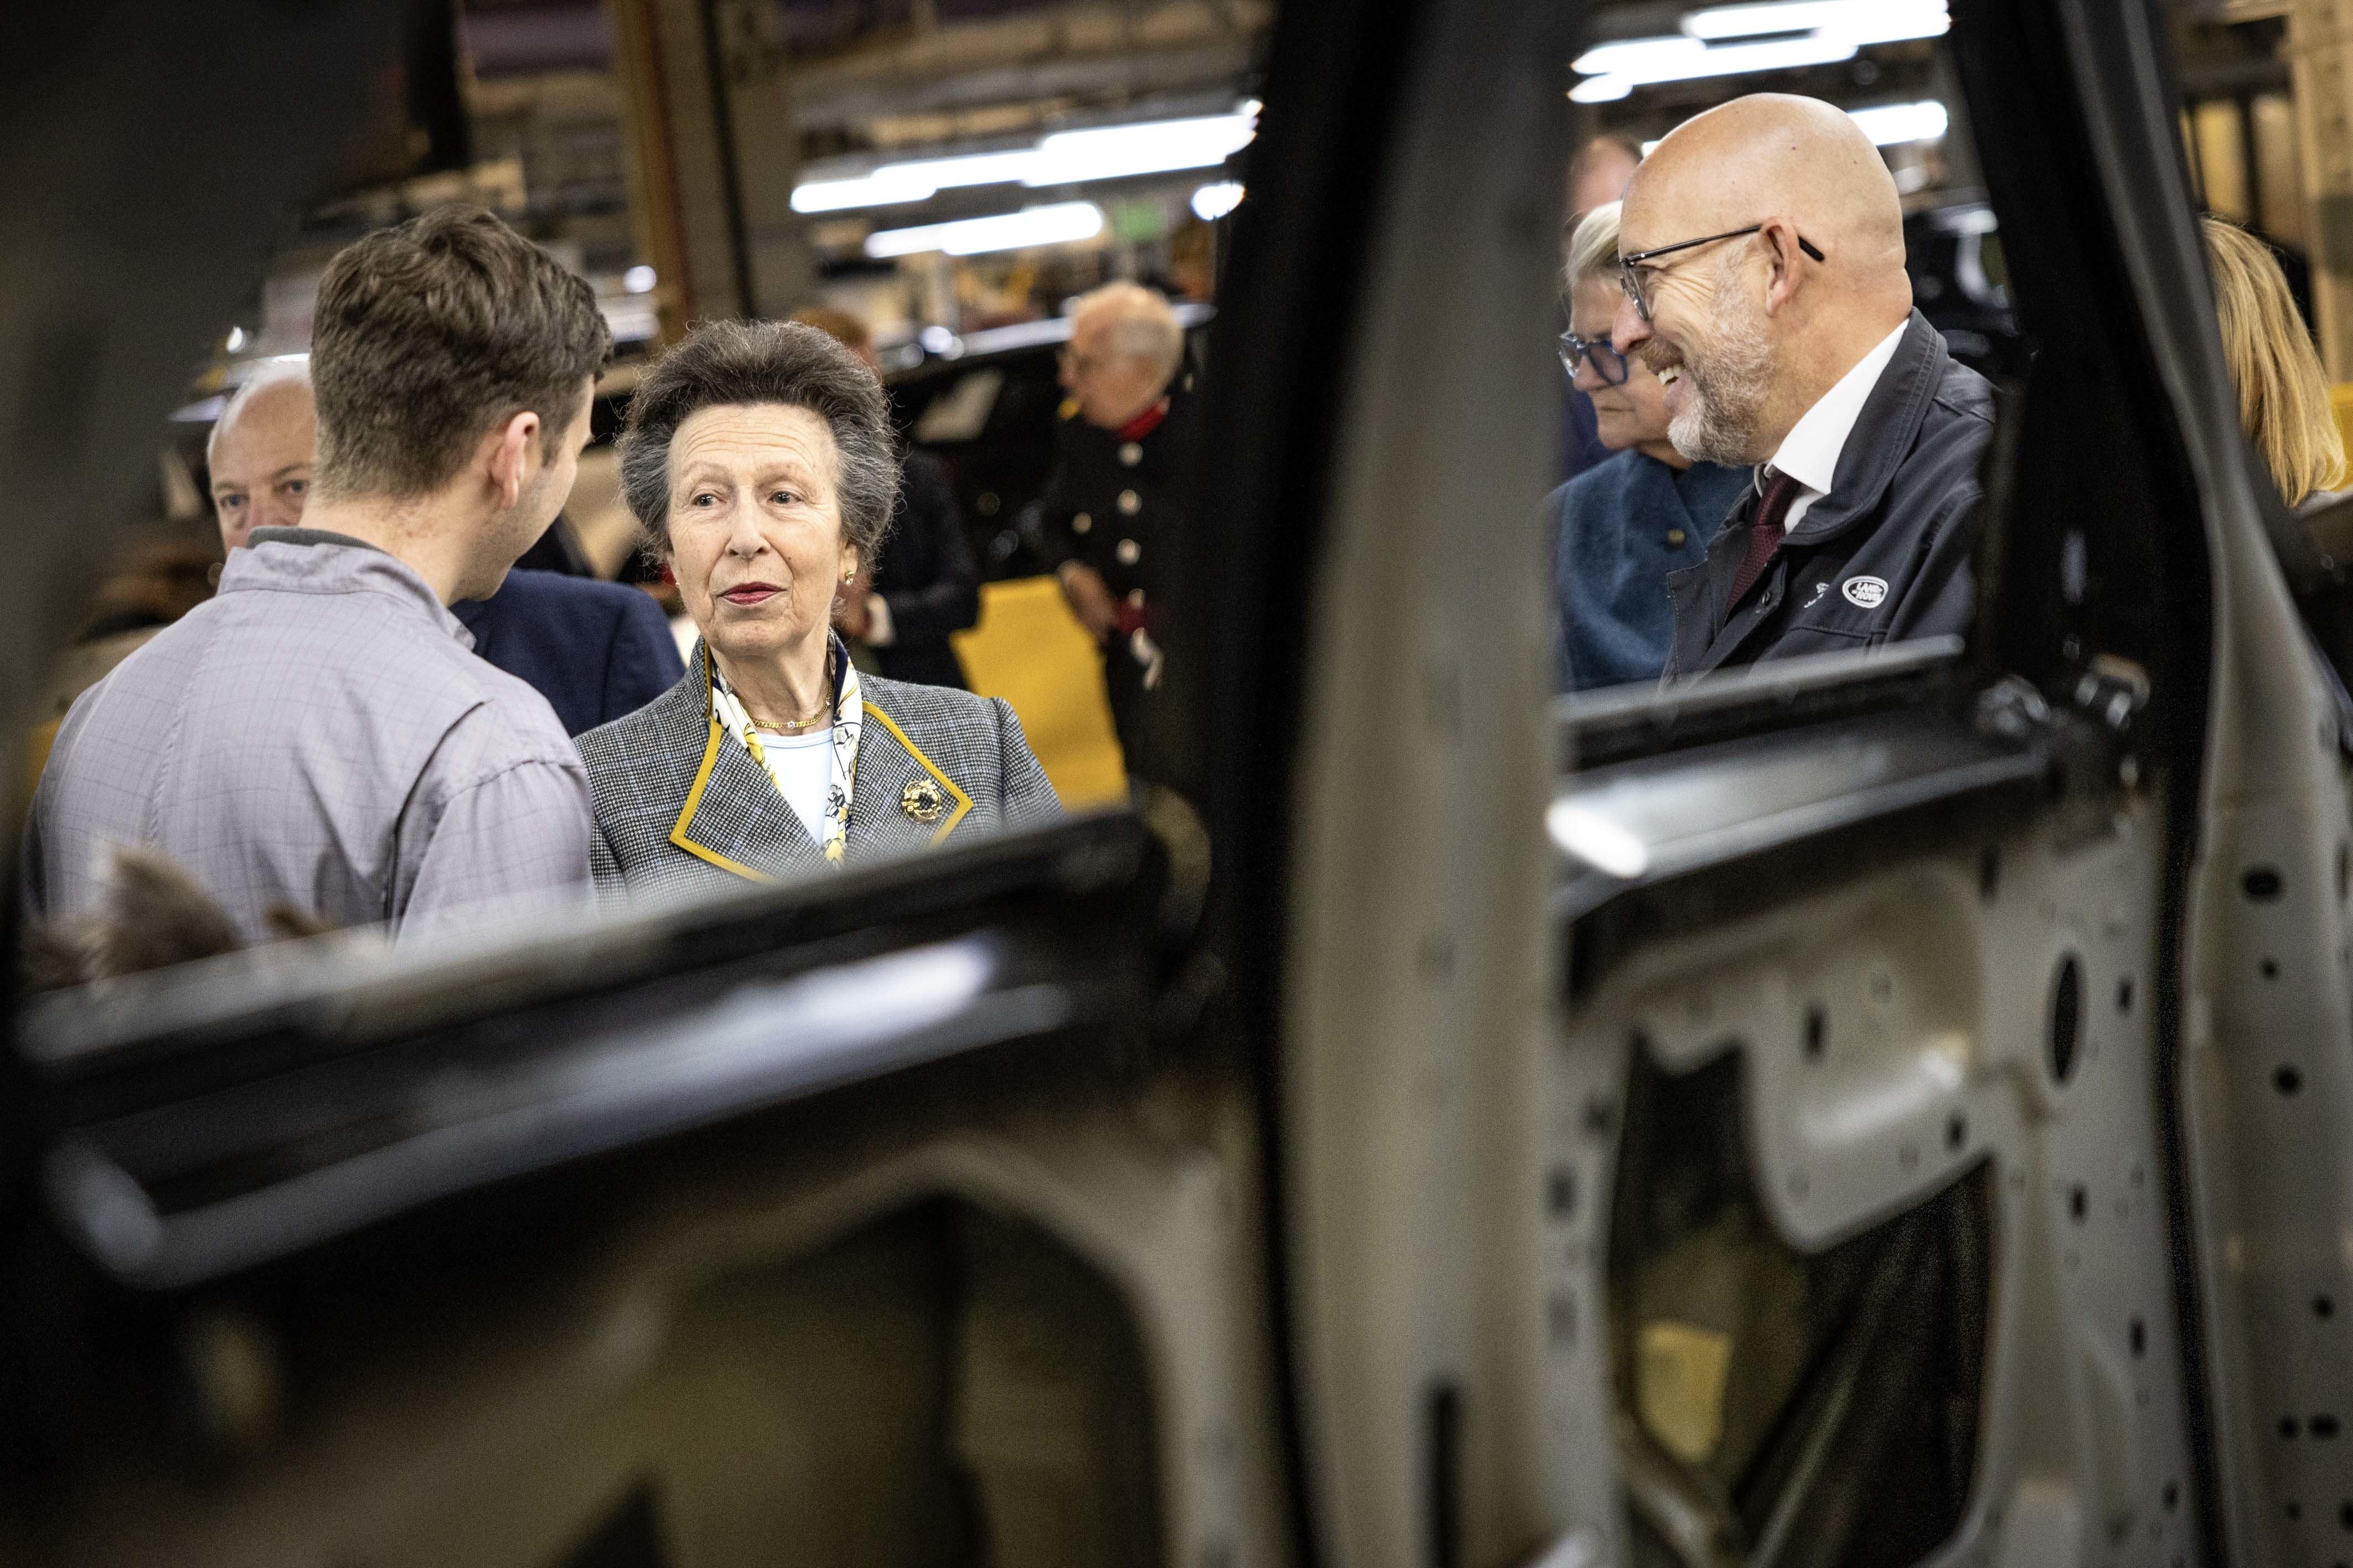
[[1145, 423]]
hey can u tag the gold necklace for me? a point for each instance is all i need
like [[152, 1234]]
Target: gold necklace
[[789, 726]]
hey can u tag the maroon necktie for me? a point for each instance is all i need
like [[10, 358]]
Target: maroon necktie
[[1763, 537]]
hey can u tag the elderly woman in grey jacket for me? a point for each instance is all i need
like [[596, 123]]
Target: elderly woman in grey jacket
[[758, 457]]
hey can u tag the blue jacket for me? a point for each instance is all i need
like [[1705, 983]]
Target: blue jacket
[[1618, 529], [595, 650]]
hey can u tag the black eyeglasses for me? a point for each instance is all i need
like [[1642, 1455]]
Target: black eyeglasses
[[1607, 362], [1630, 281]]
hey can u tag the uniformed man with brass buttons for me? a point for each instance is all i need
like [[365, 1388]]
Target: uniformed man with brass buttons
[[1116, 504]]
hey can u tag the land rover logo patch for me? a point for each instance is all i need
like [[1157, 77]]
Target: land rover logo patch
[[1864, 593]]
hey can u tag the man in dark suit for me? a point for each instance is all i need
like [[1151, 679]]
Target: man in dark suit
[[1761, 249], [595, 650]]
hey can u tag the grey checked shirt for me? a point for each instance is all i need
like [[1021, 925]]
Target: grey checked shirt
[[320, 734]]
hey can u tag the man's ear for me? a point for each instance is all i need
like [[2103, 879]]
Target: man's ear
[[513, 446], [1789, 261]]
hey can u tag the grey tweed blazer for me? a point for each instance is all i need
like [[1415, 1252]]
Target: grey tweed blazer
[[681, 808]]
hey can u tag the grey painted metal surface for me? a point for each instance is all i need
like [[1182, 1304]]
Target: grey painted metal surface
[[1645, 821], [2265, 1078]]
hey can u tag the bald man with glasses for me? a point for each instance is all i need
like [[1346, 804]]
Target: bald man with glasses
[[1619, 528], [1761, 265]]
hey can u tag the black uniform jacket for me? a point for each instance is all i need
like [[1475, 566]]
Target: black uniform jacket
[[927, 575], [1116, 505], [1120, 506], [1884, 556]]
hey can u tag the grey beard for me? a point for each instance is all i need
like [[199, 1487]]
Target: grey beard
[[1729, 384], [1706, 433]]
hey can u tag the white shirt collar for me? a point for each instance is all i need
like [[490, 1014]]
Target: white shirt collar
[[1809, 453]]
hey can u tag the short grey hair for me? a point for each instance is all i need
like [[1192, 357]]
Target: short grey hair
[[291, 369], [1593, 248], [1144, 326], [753, 364]]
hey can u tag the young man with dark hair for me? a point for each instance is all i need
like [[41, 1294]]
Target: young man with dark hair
[[317, 734]]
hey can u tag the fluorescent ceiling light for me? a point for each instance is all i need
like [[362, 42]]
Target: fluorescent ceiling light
[[1213, 202], [1056, 225], [1064, 158], [1858, 21], [1117, 151], [1638, 56], [1892, 124], [1772, 35], [1638, 63]]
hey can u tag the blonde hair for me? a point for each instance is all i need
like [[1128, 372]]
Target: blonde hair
[[2284, 402], [1593, 248]]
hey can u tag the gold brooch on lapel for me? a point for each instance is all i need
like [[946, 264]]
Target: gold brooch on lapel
[[923, 801]]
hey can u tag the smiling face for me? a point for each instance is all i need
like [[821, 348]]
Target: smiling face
[[754, 528], [1707, 342], [1633, 413]]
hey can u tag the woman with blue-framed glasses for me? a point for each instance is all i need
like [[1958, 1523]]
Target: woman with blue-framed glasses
[[1622, 525]]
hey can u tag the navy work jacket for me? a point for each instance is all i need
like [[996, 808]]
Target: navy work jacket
[[1884, 556], [595, 650]]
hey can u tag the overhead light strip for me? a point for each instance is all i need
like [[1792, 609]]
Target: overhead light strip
[[1064, 158], [1057, 224], [1863, 21], [1891, 124], [1787, 34]]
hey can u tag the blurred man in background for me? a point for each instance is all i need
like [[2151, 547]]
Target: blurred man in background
[[1121, 493], [1599, 173], [317, 734], [1761, 250], [259, 451], [926, 584]]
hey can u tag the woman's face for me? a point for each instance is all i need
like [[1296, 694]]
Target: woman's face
[[1629, 414], [755, 533]]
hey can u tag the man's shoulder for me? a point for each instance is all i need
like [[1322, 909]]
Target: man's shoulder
[[1954, 433], [294, 643], [505, 721], [577, 598], [1965, 395]]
